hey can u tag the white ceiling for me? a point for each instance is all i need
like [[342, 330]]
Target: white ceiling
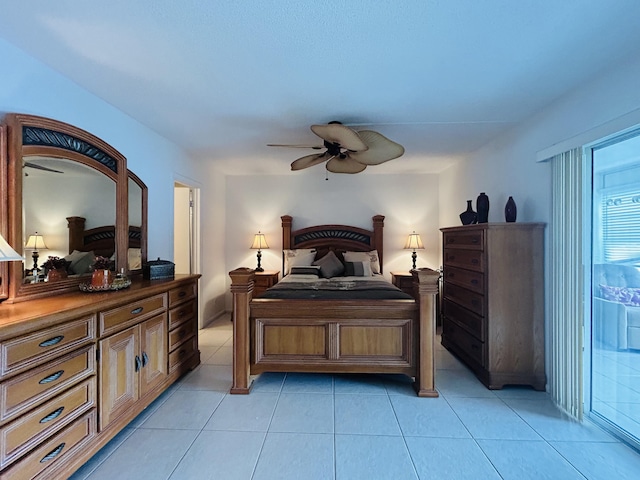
[[223, 78]]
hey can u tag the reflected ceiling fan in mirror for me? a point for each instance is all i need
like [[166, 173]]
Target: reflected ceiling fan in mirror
[[39, 167], [347, 151]]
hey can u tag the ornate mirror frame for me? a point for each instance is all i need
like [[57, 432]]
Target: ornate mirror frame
[[29, 135]]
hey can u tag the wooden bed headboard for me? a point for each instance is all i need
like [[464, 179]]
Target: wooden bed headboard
[[339, 238], [99, 240]]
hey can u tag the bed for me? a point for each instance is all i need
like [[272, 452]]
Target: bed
[[310, 331]]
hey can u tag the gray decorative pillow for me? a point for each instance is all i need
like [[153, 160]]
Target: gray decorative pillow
[[371, 256], [357, 269], [330, 265], [310, 270], [80, 262]]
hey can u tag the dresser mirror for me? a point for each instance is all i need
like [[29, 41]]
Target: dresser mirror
[[75, 191]]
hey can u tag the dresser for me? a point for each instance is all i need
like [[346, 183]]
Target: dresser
[[493, 301], [76, 368]]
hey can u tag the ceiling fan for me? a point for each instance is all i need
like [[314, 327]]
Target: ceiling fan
[[39, 167], [347, 151]]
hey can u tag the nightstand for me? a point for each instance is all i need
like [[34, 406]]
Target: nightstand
[[264, 280], [404, 281]]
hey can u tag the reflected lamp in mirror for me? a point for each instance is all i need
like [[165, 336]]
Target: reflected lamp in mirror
[[414, 243], [259, 243], [8, 254], [35, 242]]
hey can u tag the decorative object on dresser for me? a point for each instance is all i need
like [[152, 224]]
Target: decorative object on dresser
[[468, 217], [158, 269], [510, 211], [102, 276], [264, 280], [493, 301], [259, 243], [414, 242], [35, 243], [55, 268], [482, 208]]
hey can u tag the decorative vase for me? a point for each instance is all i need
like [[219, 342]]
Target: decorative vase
[[510, 210], [101, 278], [56, 274], [468, 217], [482, 207]]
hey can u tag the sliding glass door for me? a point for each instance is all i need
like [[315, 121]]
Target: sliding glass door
[[613, 398]]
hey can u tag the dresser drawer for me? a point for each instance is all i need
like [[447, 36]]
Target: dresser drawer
[[180, 294], [184, 312], [470, 345], [180, 334], [182, 354], [470, 259], [39, 463], [469, 240], [474, 323], [27, 351], [29, 389], [468, 299], [117, 319], [465, 278], [19, 436]]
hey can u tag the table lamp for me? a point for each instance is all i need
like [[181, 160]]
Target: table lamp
[[8, 254], [414, 243], [260, 243], [35, 242]]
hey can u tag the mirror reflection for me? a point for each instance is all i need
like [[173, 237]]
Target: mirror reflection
[[134, 253], [59, 194]]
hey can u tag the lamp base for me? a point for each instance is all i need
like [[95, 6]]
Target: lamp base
[[259, 269]]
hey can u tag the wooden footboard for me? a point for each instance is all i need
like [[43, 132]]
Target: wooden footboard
[[355, 336]]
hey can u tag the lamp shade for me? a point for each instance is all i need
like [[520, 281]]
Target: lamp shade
[[414, 242], [35, 242], [8, 254], [259, 242]]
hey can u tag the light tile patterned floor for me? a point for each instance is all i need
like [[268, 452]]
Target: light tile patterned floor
[[304, 426]]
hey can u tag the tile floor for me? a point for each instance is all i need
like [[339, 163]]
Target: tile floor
[[304, 426]]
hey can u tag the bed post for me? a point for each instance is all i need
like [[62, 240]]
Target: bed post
[[241, 288], [378, 225], [287, 221], [425, 281], [76, 233]]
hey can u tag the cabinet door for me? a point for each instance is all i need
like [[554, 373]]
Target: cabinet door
[[153, 352], [119, 366]]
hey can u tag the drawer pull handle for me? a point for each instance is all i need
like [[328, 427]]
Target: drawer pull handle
[[52, 416], [451, 240], [51, 378], [51, 341], [138, 363], [475, 240], [136, 311], [53, 453], [182, 353], [474, 282], [182, 294], [475, 303], [475, 347], [451, 257], [145, 359], [180, 313], [474, 261]]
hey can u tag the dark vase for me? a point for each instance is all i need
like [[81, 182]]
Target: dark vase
[[468, 216], [482, 207], [510, 210]]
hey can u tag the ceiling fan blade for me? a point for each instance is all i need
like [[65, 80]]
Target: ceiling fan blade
[[381, 149], [344, 165], [308, 161], [315, 147], [343, 136], [40, 167]]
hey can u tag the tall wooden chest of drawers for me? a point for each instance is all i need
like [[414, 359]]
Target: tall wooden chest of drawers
[[493, 301]]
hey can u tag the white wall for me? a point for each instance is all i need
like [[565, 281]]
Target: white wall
[[409, 202]]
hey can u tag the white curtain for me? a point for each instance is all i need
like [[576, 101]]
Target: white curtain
[[566, 283]]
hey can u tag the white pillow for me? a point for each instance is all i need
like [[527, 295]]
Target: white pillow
[[301, 257], [371, 256]]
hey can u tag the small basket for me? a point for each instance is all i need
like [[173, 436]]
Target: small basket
[[158, 269]]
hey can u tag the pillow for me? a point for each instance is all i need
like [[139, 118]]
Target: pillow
[[357, 269], [134, 258], [330, 265], [80, 262], [300, 257], [625, 295], [310, 270], [371, 256]]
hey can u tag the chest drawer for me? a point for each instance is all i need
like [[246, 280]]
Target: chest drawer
[[117, 319], [470, 345], [70, 440], [179, 357], [469, 240], [470, 259], [182, 313], [19, 436], [180, 334], [468, 299], [474, 323], [29, 389], [20, 353], [465, 278], [180, 294]]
